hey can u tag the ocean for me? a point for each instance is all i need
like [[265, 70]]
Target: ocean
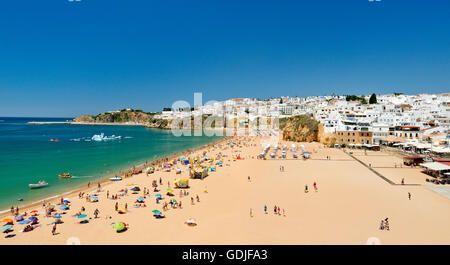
[[28, 154]]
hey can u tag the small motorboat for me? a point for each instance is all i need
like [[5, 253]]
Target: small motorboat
[[40, 184], [116, 178]]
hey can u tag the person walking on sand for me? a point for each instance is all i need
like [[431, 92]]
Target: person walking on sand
[[306, 188], [284, 213], [192, 201], [198, 199], [278, 210], [160, 181], [409, 196], [275, 209], [315, 186], [126, 206], [265, 209], [107, 194], [386, 224], [89, 184], [251, 212], [54, 229], [403, 181], [96, 212], [116, 206], [249, 179], [382, 225]]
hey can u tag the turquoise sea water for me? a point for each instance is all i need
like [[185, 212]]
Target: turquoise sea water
[[27, 154]]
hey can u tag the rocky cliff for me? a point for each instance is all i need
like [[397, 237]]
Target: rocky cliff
[[304, 128], [126, 116]]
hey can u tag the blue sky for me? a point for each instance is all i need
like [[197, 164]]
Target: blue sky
[[63, 59]]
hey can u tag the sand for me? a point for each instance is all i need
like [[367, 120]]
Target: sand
[[347, 208]]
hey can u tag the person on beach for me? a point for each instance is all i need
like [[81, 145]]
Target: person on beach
[[284, 213], [409, 196], [403, 181], [249, 179], [315, 186], [306, 188], [192, 201], [160, 181], [179, 204], [116, 206], [107, 194], [278, 210], [54, 229], [126, 206], [251, 212], [96, 212], [198, 198], [12, 210], [265, 209], [382, 225], [275, 209], [89, 184], [386, 224]]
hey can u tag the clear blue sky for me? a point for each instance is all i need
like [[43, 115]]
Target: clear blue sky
[[63, 59]]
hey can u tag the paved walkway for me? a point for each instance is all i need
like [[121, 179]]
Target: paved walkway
[[379, 174], [444, 190]]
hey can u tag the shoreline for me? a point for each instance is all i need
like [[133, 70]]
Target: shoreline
[[104, 181]]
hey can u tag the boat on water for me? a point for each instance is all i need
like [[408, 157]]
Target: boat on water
[[116, 178], [102, 137], [65, 175], [40, 184]]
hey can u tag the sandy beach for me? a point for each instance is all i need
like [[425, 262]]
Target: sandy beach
[[347, 208]]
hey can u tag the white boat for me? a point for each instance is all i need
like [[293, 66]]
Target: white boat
[[40, 184], [116, 178], [102, 137], [98, 138]]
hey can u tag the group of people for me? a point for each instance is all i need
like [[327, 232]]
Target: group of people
[[314, 185]]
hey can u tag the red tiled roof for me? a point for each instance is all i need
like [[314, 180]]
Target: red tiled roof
[[429, 128], [412, 157]]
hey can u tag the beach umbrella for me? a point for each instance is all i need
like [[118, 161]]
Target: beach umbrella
[[175, 201], [119, 226], [6, 227], [81, 216], [57, 216], [191, 221], [19, 217], [85, 221], [34, 211], [7, 220], [66, 201], [158, 195], [24, 222], [65, 207], [33, 218], [140, 199]]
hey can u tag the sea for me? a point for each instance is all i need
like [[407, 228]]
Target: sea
[[33, 152]]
